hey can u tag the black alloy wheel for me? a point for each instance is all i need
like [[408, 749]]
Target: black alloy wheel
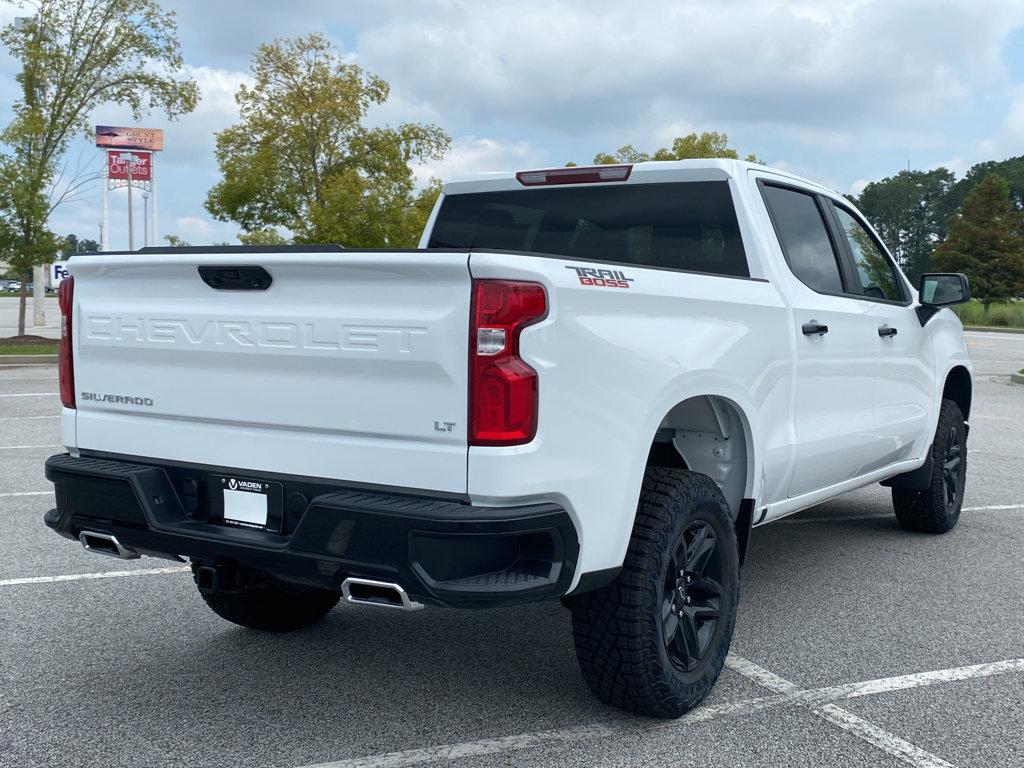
[[692, 596], [952, 468]]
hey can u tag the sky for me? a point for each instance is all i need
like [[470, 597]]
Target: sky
[[843, 93]]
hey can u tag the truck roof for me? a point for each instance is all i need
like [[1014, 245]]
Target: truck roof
[[648, 171]]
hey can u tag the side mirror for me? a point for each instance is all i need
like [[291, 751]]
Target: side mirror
[[943, 289]]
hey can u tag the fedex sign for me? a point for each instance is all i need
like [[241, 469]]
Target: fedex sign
[[118, 163], [58, 271]]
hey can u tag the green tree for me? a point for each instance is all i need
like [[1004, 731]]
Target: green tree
[[1011, 169], [302, 159], [175, 242], [265, 237], [77, 55], [707, 144], [73, 245], [24, 241], [985, 243], [909, 212]]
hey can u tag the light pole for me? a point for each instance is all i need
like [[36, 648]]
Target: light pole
[[145, 219], [129, 159]]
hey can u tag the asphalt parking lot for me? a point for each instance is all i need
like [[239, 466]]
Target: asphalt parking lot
[[9, 317], [856, 644]]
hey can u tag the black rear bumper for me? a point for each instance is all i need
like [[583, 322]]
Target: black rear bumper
[[443, 551]]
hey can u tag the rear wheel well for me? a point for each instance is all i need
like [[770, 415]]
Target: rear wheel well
[[958, 389], [706, 434]]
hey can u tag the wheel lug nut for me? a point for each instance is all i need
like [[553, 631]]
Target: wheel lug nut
[[687, 599], [673, 607]]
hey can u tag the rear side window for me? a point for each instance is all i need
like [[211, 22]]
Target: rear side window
[[804, 238], [681, 226], [876, 273]]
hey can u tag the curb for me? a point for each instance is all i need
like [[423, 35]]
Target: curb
[[28, 360], [997, 329], [1018, 378]]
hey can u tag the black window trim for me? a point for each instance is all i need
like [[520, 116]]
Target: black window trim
[[848, 275], [851, 262], [829, 231]]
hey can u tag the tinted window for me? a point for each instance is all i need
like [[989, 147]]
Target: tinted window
[[804, 238], [877, 277], [684, 226]]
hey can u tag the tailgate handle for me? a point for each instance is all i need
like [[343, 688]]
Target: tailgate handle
[[236, 278]]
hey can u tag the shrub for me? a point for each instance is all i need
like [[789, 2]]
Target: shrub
[[1004, 314]]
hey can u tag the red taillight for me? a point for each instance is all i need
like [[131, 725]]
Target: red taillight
[[502, 387], [574, 175], [65, 364]]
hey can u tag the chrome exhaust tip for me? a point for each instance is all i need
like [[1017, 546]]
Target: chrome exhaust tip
[[106, 544], [371, 592]]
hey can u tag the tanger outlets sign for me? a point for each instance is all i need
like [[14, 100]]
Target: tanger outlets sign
[[118, 164], [128, 153]]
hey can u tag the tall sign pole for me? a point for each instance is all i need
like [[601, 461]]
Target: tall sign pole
[[152, 183], [131, 223], [104, 193]]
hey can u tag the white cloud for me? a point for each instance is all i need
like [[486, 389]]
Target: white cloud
[[576, 66], [472, 153], [857, 187], [1009, 140], [190, 140], [835, 90], [192, 224]]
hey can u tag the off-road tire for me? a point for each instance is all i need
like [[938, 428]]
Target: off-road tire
[[276, 608], [936, 510], [621, 641]]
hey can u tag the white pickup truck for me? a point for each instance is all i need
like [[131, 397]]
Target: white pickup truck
[[587, 384]]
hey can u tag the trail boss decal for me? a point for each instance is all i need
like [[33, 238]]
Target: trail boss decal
[[590, 276]]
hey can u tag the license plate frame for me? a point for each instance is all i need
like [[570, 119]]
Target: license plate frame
[[246, 503]]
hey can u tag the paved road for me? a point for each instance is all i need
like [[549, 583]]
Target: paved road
[[9, 318], [134, 670]]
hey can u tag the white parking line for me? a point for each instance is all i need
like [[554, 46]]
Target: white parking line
[[94, 575], [26, 493], [25, 395], [816, 698], [991, 507], [17, 419], [32, 446], [871, 733], [885, 741]]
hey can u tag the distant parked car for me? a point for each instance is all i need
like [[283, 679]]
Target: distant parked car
[[12, 285]]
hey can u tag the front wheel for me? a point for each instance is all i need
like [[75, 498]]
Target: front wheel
[[655, 640], [937, 509]]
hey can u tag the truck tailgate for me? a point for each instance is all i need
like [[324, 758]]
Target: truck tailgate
[[340, 369]]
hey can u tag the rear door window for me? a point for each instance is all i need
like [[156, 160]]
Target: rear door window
[[687, 226], [804, 238]]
